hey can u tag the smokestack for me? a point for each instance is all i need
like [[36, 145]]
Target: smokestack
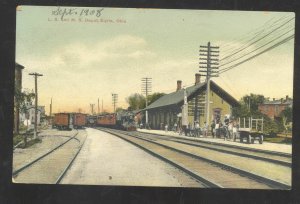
[[179, 82], [197, 78]]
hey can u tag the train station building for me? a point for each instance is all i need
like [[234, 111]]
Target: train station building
[[168, 108]]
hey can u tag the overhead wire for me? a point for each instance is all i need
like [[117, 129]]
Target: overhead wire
[[252, 43], [270, 48], [257, 32], [274, 39]]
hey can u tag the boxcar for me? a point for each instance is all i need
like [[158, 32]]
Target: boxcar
[[61, 121], [79, 120], [107, 120]]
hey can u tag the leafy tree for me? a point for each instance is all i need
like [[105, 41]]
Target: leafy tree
[[286, 117], [22, 98], [252, 101], [136, 101], [244, 111], [153, 97], [119, 109], [288, 114]]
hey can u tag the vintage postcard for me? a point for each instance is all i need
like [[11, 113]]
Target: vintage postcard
[[153, 97]]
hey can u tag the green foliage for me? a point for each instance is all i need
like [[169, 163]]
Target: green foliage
[[136, 101], [244, 111], [252, 101], [287, 115], [119, 109], [153, 97], [21, 98]]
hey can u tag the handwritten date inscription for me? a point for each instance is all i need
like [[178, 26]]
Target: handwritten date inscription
[[82, 12]]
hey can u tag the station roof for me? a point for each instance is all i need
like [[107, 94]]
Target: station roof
[[177, 96]]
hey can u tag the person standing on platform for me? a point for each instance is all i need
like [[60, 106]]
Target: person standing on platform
[[213, 125]]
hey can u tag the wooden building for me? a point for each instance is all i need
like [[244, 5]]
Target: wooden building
[[168, 108]]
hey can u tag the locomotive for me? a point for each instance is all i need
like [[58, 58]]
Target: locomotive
[[123, 120]]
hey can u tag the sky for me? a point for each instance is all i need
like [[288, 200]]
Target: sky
[[111, 49]]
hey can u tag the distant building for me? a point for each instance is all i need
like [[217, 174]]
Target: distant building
[[273, 108], [18, 87], [167, 109], [29, 114]]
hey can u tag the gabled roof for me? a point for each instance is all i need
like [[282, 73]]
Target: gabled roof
[[17, 65], [177, 96]]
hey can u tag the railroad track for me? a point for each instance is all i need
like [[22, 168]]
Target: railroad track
[[208, 172], [279, 158], [41, 162]]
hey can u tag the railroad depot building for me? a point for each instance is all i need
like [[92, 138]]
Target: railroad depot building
[[167, 109]]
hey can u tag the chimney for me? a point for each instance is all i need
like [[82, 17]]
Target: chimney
[[197, 78], [179, 82], [273, 99], [286, 97]]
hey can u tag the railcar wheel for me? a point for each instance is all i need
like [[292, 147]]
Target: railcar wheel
[[249, 139], [261, 139]]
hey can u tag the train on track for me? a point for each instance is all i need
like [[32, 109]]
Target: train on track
[[123, 120], [65, 121]]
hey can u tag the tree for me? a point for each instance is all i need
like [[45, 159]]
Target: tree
[[153, 97], [22, 98], [249, 108], [252, 101], [136, 101], [286, 117], [119, 109]]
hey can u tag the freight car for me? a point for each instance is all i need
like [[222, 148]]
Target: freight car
[[79, 120], [61, 121], [121, 120]]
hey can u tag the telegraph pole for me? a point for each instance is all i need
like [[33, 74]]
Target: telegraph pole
[[50, 113], [114, 100], [209, 57], [146, 89], [36, 75], [92, 108], [98, 106]]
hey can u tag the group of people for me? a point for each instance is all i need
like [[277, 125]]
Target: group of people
[[228, 129]]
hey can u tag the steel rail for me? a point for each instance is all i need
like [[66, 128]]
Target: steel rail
[[42, 156], [287, 155], [191, 143], [270, 182], [61, 176], [189, 172]]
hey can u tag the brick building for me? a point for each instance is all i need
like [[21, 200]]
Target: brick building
[[273, 108], [168, 108]]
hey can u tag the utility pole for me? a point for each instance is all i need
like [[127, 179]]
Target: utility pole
[[114, 100], [36, 75], [50, 107], [208, 58], [98, 106], [146, 89], [92, 108], [50, 113]]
